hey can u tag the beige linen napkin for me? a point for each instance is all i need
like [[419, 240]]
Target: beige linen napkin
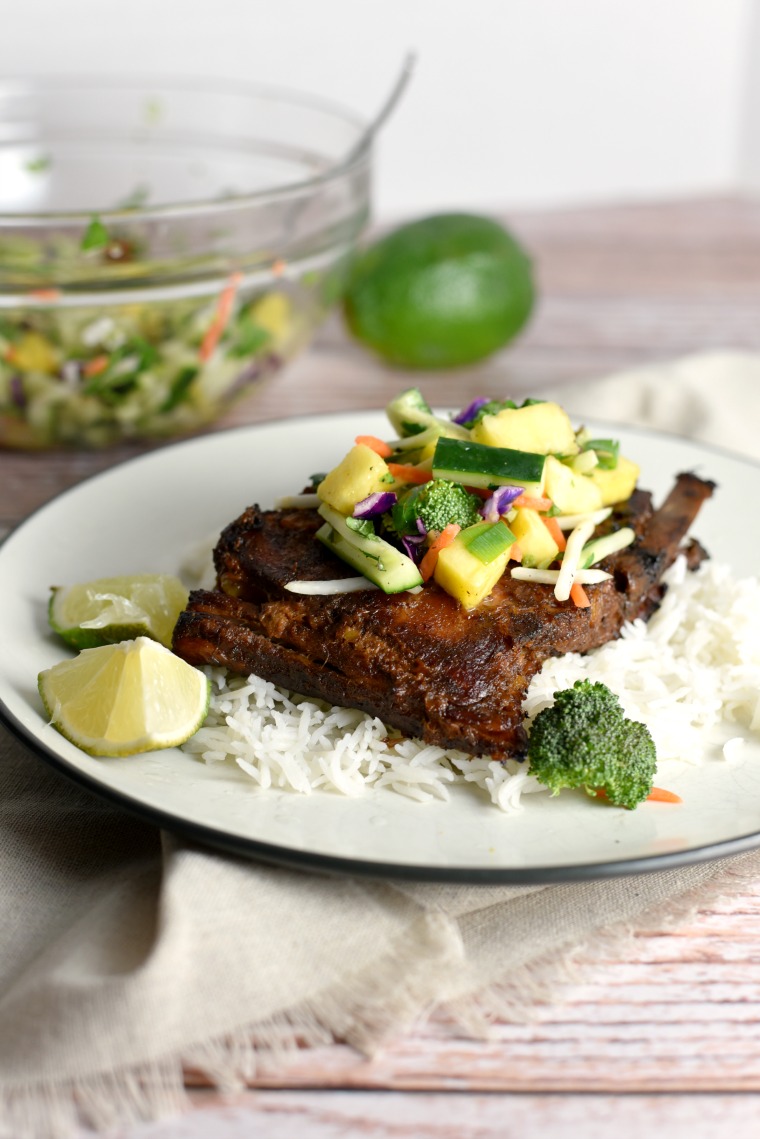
[[125, 953], [713, 397]]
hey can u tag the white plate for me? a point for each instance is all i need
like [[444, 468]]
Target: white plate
[[147, 514]]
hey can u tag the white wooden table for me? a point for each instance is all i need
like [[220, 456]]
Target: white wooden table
[[668, 1037]]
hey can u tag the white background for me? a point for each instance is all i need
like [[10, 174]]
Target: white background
[[514, 102]]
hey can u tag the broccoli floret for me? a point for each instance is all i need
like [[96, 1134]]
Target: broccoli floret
[[584, 740], [437, 503], [441, 502]]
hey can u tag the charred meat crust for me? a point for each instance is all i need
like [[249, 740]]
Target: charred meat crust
[[420, 662]]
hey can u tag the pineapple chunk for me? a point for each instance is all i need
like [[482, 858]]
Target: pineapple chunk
[[273, 313], [540, 427], [538, 547], [360, 473], [33, 353], [571, 493], [616, 485], [465, 577]]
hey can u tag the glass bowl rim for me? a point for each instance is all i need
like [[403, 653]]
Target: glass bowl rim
[[356, 157]]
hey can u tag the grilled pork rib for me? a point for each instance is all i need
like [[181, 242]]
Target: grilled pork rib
[[420, 661]]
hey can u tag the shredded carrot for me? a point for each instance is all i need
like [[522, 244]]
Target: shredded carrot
[[278, 267], [552, 526], [377, 445], [660, 795], [515, 553], [579, 596], [221, 316], [527, 501], [408, 473], [480, 491], [444, 539], [44, 294], [95, 366]]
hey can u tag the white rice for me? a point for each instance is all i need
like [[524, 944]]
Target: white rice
[[695, 665]]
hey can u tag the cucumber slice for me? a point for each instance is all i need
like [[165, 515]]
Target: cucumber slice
[[377, 559], [372, 546], [600, 548], [393, 574], [430, 434], [486, 540], [607, 452], [409, 412], [415, 423], [476, 464]]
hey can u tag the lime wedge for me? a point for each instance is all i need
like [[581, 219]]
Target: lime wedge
[[126, 698], [113, 609]]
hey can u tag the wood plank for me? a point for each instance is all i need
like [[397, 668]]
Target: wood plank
[[678, 1011], [337, 1115]]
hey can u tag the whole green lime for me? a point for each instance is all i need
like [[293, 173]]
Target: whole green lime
[[441, 292]]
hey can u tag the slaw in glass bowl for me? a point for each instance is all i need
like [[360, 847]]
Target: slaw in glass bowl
[[163, 250]]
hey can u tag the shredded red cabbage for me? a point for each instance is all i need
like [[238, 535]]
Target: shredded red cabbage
[[500, 502], [375, 504], [17, 393], [472, 409], [413, 544], [413, 548]]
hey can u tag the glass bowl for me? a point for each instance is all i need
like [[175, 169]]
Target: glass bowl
[[163, 250]]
